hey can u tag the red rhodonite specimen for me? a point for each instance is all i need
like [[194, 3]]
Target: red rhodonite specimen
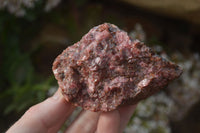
[[106, 69]]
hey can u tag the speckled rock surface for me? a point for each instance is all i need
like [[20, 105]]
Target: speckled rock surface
[[105, 69]]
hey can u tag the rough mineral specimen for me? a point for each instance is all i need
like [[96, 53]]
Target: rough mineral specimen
[[105, 69]]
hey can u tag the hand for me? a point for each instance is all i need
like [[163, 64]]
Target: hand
[[49, 115]]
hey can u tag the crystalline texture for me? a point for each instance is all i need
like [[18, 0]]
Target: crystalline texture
[[105, 69]]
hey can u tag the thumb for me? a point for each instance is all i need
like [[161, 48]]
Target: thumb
[[47, 116]]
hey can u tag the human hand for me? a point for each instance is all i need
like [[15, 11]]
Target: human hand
[[49, 116]]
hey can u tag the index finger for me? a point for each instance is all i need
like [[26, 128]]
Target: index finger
[[46, 116]]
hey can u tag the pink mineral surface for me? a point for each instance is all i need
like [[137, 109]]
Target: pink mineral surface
[[106, 69]]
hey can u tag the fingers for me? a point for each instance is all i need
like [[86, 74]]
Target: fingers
[[47, 116], [125, 114], [109, 122], [50, 115], [86, 122], [115, 121]]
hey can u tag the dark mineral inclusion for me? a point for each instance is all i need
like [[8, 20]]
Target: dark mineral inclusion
[[105, 69]]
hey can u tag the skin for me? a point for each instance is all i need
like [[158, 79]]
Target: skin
[[49, 116]]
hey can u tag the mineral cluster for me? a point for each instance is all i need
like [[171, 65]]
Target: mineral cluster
[[106, 69]]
